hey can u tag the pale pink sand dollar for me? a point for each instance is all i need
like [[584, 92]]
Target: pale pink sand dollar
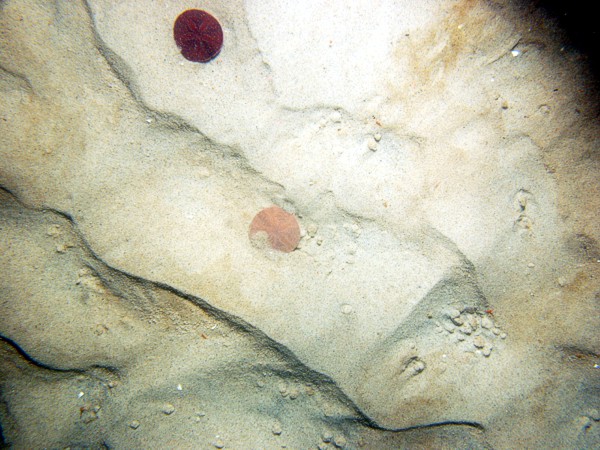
[[280, 227]]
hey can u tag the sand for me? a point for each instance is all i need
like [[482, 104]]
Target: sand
[[441, 159]]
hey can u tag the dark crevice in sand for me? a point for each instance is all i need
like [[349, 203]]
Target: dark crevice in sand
[[572, 351], [20, 78], [119, 67], [456, 423], [296, 368], [92, 371]]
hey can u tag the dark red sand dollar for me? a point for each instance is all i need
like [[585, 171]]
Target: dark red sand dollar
[[198, 34], [280, 227]]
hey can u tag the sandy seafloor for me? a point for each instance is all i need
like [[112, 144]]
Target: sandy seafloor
[[441, 158]]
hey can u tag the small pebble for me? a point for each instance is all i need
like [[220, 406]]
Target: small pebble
[[168, 409], [457, 320], [496, 331], [486, 322], [453, 313], [276, 429], [372, 145], [583, 423], [346, 308], [448, 327], [340, 441], [419, 366], [466, 329], [134, 424], [336, 117], [594, 414], [327, 436], [377, 137], [53, 230], [218, 443], [487, 350], [294, 393], [478, 341], [283, 389], [503, 335]]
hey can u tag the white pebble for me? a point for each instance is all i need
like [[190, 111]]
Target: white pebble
[[372, 145], [340, 441], [134, 424], [583, 423], [457, 320], [448, 327], [276, 429], [453, 313], [168, 409], [486, 322], [419, 366], [294, 393], [283, 389], [466, 329], [594, 414], [474, 321], [478, 341]]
